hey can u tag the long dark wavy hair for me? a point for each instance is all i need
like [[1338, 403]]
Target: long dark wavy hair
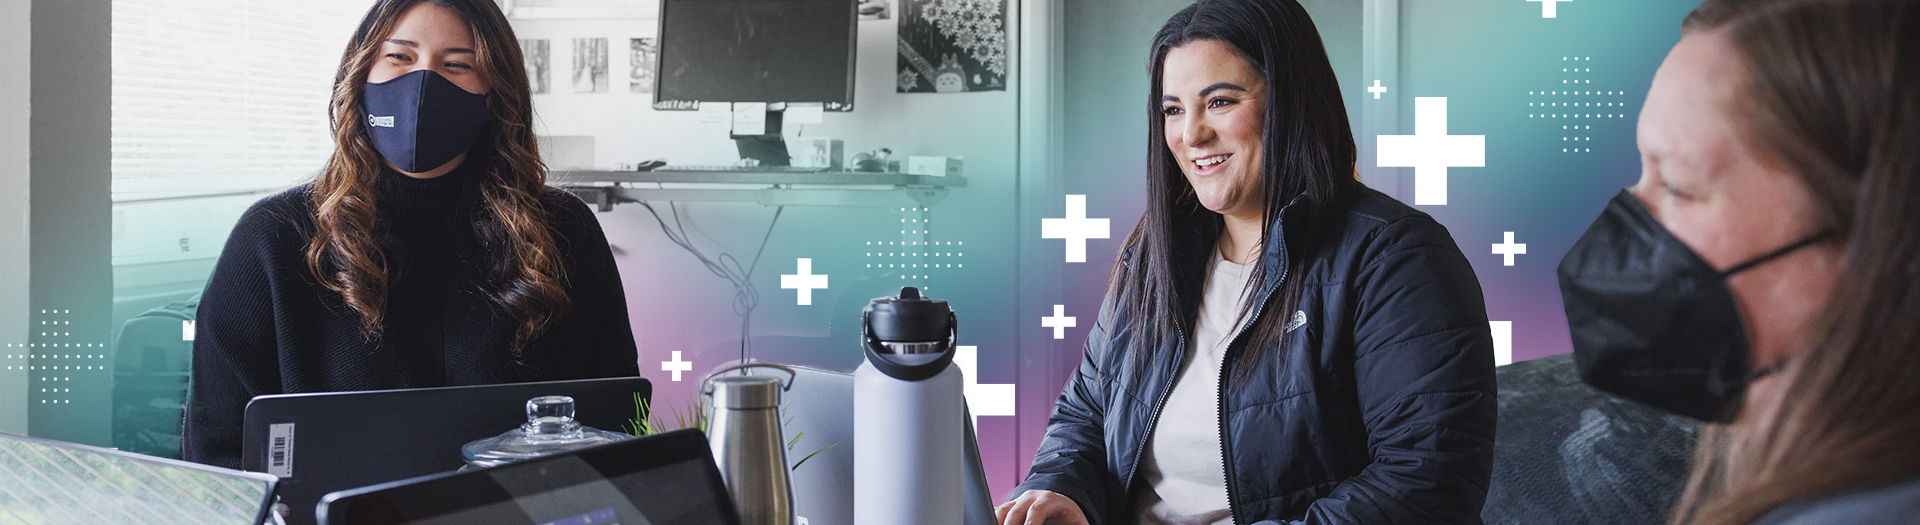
[[525, 272], [1832, 93], [1308, 149]]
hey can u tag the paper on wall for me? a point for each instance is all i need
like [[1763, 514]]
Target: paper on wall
[[805, 114], [749, 118], [715, 116]]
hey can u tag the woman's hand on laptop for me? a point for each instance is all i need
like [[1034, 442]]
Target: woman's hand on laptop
[[1037, 507]]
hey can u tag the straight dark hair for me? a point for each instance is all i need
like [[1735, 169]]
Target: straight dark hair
[[1308, 150]]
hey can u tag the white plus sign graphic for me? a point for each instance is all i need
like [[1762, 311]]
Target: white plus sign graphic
[[1502, 342], [1059, 322], [804, 281], [1430, 150], [1509, 249], [1549, 8], [982, 400], [1076, 228], [1377, 89], [676, 366]]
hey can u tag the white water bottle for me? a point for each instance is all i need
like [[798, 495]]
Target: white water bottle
[[908, 415]]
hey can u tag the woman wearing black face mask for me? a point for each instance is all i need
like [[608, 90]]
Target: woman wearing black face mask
[[428, 252], [1764, 274]]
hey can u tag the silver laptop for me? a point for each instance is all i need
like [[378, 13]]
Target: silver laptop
[[819, 411], [47, 482]]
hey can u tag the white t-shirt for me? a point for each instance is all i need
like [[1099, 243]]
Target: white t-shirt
[[1183, 469]]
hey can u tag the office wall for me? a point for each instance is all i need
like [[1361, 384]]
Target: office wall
[[15, 41], [675, 304]]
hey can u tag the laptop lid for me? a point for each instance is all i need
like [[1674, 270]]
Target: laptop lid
[[323, 442], [667, 478], [819, 414], [43, 481]]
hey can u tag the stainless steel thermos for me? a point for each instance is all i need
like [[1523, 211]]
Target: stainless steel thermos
[[748, 444], [909, 415]]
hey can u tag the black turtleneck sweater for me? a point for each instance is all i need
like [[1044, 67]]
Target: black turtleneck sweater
[[265, 326]]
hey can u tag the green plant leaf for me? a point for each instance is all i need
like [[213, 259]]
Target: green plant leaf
[[796, 464]]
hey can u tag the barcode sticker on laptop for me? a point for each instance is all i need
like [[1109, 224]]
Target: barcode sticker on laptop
[[280, 449]]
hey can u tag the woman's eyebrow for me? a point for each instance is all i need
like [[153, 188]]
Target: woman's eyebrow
[[416, 45], [1217, 86], [1220, 86]]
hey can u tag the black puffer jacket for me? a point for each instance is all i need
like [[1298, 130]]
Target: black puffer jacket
[[1379, 409]]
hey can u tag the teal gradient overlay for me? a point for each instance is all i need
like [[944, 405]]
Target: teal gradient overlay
[[1483, 55]]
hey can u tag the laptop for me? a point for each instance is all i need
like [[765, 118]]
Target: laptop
[[662, 479], [43, 481], [819, 411], [318, 443]]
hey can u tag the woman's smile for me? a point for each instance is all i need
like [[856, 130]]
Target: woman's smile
[[1209, 165]]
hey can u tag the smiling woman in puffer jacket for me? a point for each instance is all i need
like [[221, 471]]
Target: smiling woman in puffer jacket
[[1278, 344]]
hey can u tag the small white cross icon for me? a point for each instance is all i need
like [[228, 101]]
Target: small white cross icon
[[1076, 228], [1549, 8], [1509, 249], [982, 400], [676, 366], [1059, 322], [1430, 150], [804, 281], [1377, 89]]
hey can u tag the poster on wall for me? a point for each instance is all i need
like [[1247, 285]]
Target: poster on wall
[[643, 55], [539, 64], [951, 46], [589, 65]]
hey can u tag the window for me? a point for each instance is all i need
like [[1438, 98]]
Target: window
[[224, 95], [215, 104]]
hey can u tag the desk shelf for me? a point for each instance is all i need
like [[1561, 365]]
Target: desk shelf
[[604, 189], [834, 178]]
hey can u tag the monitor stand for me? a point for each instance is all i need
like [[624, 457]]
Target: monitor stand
[[769, 148]]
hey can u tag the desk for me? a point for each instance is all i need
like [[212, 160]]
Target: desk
[[827, 188], [913, 195]]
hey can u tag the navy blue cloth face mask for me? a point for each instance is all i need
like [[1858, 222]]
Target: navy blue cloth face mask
[[421, 120]]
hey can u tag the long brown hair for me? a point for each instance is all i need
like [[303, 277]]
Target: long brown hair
[[1309, 150], [526, 274], [1832, 89]]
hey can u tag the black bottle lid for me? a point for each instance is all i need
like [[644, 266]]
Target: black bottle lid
[[909, 337], [909, 317]]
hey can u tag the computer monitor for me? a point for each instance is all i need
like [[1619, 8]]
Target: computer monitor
[[773, 51]]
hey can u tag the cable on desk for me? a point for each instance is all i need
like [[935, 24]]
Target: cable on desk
[[725, 265]]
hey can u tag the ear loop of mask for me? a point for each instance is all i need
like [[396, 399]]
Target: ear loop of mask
[[1783, 361], [1769, 256]]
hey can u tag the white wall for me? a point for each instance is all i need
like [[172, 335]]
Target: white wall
[[676, 304], [979, 126], [14, 45]]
